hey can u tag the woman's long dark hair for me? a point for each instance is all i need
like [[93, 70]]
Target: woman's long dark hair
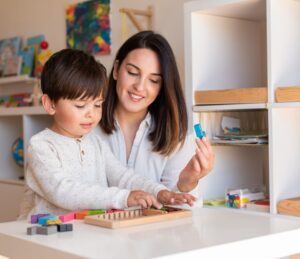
[[169, 108]]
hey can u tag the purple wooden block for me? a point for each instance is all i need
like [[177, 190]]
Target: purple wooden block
[[35, 218]]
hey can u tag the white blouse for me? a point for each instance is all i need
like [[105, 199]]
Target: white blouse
[[152, 165]]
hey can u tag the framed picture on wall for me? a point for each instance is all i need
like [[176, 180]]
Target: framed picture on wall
[[88, 27]]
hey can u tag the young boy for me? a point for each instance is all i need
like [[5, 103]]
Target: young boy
[[68, 167]]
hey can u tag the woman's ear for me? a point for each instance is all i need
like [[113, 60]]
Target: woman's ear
[[116, 67], [48, 104]]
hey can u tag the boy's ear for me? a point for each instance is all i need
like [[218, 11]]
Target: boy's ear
[[48, 104], [116, 67]]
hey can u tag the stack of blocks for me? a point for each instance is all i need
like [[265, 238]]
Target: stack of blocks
[[49, 224]]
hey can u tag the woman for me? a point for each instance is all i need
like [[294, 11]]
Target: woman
[[145, 118]]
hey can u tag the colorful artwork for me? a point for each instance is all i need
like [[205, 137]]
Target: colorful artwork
[[27, 60], [88, 27], [12, 66], [8, 48]]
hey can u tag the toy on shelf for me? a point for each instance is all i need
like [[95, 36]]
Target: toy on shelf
[[129, 218], [18, 152], [9, 49], [43, 55], [238, 198], [16, 100]]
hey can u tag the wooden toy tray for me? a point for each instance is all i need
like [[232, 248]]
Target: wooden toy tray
[[129, 218]]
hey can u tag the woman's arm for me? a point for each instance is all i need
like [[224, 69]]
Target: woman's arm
[[198, 167], [186, 166]]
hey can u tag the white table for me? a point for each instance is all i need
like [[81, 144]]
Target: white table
[[209, 233]]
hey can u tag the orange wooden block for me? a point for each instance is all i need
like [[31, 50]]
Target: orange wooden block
[[81, 214]]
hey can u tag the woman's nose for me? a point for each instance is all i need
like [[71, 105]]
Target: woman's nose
[[140, 84]]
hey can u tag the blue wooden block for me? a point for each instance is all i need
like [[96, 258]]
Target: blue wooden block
[[43, 220], [199, 132]]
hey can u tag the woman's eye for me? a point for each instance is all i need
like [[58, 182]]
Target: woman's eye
[[98, 105], [132, 73], [155, 81], [79, 106]]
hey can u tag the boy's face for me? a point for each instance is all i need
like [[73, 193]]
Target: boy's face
[[75, 118]]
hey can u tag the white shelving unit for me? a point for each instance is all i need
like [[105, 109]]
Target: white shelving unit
[[16, 122], [233, 44]]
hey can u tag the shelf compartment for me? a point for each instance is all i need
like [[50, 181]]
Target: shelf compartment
[[17, 79], [232, 96], [31, 110], [11, 129], [287, 94], [228, 50]]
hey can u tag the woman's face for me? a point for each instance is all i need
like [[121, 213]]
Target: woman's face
[[138, 80]]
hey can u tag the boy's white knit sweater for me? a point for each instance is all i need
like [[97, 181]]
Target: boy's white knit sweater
[[65, 174]]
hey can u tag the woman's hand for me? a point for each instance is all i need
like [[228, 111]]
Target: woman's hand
[[168, 197], [143, 199], [198, 167]]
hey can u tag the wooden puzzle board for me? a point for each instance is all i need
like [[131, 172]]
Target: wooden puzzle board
[[136, 217]]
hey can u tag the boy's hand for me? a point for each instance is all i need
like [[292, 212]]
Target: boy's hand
[[168, 197], [144, 199]]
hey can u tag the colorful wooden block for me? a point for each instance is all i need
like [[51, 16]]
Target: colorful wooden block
[[43, 220], [96, 212], [67, 217], [81, 214], [53, 222], [65, 227], [46, 230], [35, 218], [199, 132], [32, 230]]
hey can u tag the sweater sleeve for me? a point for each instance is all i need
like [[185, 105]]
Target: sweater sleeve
[[119, 175], [45, 175]]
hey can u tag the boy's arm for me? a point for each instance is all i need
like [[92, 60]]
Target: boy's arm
[[46, 177]]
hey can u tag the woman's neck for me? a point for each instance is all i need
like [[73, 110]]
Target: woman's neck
[[129, 124], [129, 119]]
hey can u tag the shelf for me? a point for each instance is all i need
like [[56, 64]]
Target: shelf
[[285, 105], [17, 79], [229, 107], [242, 145], [12, 181], [32, 110], [232, 96]]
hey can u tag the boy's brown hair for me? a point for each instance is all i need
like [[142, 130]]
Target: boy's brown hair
[[72, 74]]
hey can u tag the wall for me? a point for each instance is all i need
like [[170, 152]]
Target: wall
[[33, 17]]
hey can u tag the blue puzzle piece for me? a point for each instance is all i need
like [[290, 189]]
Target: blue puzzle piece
[[199, 132]]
